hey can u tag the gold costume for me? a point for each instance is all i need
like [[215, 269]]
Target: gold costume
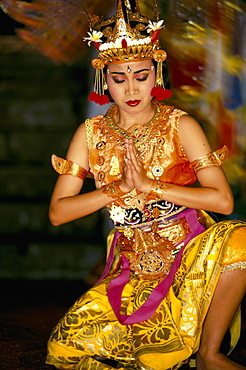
[[164, 261]]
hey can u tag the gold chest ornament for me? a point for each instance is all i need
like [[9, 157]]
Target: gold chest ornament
[[115, 166]]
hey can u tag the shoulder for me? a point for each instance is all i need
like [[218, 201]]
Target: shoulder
[[92, 126], [187, 122], [86, 127], [94, 119], [78, 147], [193, 138]]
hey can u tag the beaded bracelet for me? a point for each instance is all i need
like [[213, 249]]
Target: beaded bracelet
[[113, 190], [158, 189]]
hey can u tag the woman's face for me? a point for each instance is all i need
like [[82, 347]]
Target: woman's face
[[130, 84]]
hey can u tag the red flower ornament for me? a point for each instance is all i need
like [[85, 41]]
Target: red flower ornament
[[98, 99], [160, 94]]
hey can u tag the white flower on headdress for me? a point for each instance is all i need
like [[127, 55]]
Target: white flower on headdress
[[106, 46], [155, 26], [118, 43], [94, 36]]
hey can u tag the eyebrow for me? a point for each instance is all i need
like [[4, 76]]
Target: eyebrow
[[136, 72]]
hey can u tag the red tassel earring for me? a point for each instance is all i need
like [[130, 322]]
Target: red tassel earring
[[159, 92], [98, 96]]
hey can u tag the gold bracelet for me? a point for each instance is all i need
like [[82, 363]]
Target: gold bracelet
[[113, 190], [67, 167], [158, 189]]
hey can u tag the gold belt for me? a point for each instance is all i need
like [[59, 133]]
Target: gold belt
[[152, 250]]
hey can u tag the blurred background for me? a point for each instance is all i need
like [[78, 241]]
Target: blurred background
[[45, 78]]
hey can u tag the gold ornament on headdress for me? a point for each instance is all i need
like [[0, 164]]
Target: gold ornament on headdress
[[97, 64], [159, 56], [100, 82]]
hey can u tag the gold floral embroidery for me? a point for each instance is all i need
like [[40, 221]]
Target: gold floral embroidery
[[115, 167]]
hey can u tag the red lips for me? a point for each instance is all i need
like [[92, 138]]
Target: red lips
[[133, 103]]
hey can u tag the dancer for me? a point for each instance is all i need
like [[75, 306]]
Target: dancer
[[174, 278]]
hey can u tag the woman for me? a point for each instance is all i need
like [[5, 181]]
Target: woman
[[174, 278]]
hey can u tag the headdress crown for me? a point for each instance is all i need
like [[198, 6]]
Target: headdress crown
[[126, 36]]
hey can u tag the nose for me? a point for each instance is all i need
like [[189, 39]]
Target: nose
[[131, 87]]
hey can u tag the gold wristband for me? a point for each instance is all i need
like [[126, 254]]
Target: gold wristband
[[158, 189], [113, 190]]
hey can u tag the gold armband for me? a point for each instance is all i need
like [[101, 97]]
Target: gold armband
[[158, 189], [67, 167], [211, 159], [113, 190]]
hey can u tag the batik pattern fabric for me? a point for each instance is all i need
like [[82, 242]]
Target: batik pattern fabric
[[145, 327]]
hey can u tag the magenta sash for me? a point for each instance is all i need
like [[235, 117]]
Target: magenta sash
[[117, 285]]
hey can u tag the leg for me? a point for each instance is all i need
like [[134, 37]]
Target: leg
[[85, 330], [227, 297]]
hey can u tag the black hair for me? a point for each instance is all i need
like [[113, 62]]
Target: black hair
[[165, 73]]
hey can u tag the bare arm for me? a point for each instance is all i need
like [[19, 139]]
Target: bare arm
[[66, 203], [213, 195]]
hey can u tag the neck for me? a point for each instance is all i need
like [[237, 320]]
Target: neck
[[126, 120]]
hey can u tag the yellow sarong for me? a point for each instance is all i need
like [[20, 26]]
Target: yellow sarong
[[172, 334]]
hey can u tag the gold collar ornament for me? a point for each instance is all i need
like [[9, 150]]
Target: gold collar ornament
[[127, 36]]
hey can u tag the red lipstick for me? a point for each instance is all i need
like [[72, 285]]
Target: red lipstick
[[133, 103]]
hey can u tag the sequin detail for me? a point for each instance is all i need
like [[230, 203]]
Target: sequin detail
[[234, 266]]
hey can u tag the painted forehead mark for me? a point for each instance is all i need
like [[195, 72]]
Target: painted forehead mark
[[128, 69]]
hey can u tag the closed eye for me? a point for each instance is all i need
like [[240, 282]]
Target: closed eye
[[144, 78], [139, 77], [117, 81]]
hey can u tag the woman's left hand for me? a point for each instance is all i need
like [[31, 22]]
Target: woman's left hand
[[140, 180]]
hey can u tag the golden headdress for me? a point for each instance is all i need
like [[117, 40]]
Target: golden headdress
[[127, 36]]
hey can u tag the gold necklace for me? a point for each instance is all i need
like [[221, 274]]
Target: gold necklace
[[110, 119]]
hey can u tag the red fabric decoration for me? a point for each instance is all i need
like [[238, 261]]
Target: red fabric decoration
[[124, 44], [97, 44], [155, 35], [160, 94], [98, 99]]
